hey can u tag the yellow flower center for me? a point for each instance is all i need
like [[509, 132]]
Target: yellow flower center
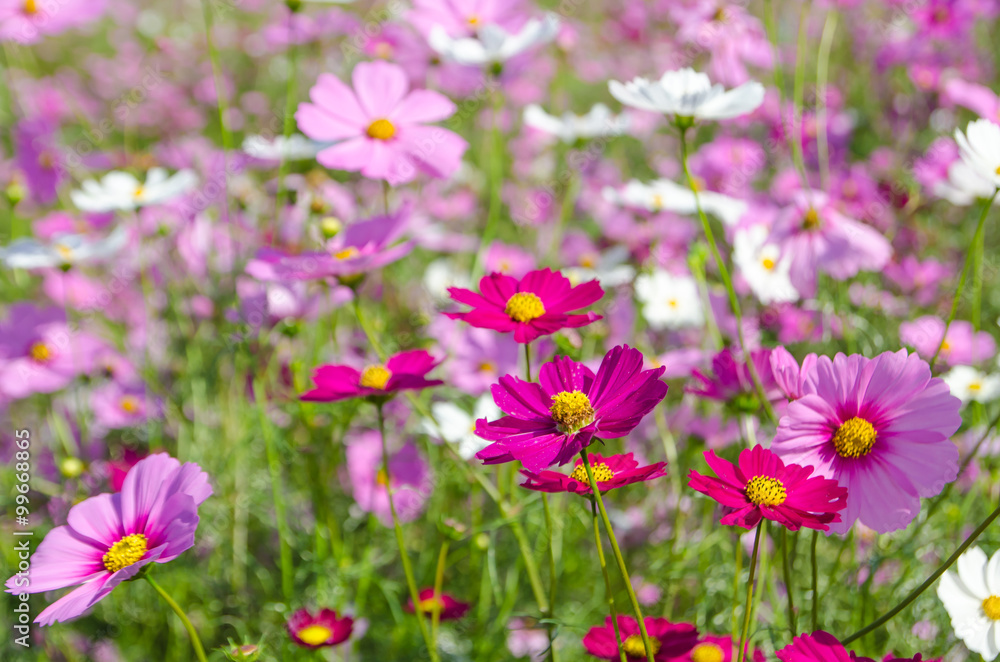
[[571, 410], [382, 478], [64, 251], [707, 653], [602, 473], [383, 50], [768, 263], [720, 15], [657, 201], [139, 192], [633, 646], [991, 607], [314, 635], [40, 352], [129, 404], [854, 438], [945, 346], [588, 260], [975, 386], [125, 552], [30, 7], [431, 605], [811, 220], [347, 253], [375, 376], [766, 491], [474, 20], [672, 303], [381, 130], [997, 170], [524, 307], [487, 366]]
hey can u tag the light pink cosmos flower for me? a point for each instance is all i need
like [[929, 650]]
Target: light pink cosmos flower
[[463, 18], [27, 21], [379, 127], [409, 476], [109, 538], [880, 427], [962, 346]]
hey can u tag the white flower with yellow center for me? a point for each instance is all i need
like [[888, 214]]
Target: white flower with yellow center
[[457, 426], [979, 148], [972, 599], [295, 148], [598, 122], [492, 44], [669, 301], [688, 94], [65, 250], [970, 385], [609, 268], [762, 266], [665, 195], [964, 186], [121, 191]]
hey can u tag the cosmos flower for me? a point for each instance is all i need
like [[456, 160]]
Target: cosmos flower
[[972, 598], [669, 301], [962, 346], [668, 640], [380, 127], [823, 647], [880, 427], [762, 266], [121, 191], [27, 21], [569, 128], [449, 608], [405, 371], [552, 420], [979, 148], [688, 94], [118, 406], [64, 250], [762, 486], [665, 195], [732, 383], [971, 385], [323, 629], [718, 648], [37, 154], [409, 477], [610, 472], [109, 538], [536, 305], [294, 148], [464, 19], [493, 44]]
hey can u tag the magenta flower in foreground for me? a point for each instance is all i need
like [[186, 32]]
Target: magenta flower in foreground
[[610, 473], [762, 486], [539, 304], [109, 538], [402, 372], [880, 427], [823, 647], [667, 639], [554, 419], [380, 125], [323, 629], [448, 607]]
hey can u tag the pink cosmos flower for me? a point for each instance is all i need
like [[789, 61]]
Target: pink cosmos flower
[[27, 21], [449, 608], [962, 346], [37, 155], [668, 640], [552, 420], [381, 128], [404, 371], [823, 647], [732, 383], [109, 538], [121, 406], [762, 486], [463, 19], [787, 373], [319, 631], [610, 472], [409, 477], [536, 305], [880, 427]]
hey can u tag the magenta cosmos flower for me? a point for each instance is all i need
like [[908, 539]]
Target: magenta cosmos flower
[[880, 427], [110, 537], [552, 420], [667, 639], [380, 126], [762, 486], [323, 629], [539, 304], [610, 473], [823, 647], [449, 608], [402, 372]]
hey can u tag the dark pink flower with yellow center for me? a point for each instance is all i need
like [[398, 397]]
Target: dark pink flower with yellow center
[[880, 427], [668, 640], [824, 647], [762, 486], [539, 304], [448, 607], [553, 419], [323, 629], [110, 537], [712, 648], [610, 473], [402, 372]]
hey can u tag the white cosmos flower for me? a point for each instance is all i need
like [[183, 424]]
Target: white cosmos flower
[[27, 253], [665, 195], [687, 93], [968, 384], [972, 599], [296, 148], [456, 426], [669, 301], [121, 191], [598, 122], [492, 43], [609, 268], [964, 186], [442, 274], [979, 148], [761, 264]]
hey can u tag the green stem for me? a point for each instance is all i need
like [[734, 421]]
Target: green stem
[[734, 302], [291, 92], [798, 90], [220, 94], [199, 650], [618, 556], [822, 76], [496, 184], [786, 570], [363, 323], [411, 583], [438, 583], [527, 360], [977, 240], [550, 626], [277, 493], [815, 581], [749, 604], [930, 580], [607, 579]]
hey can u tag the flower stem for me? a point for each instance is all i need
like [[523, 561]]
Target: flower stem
[[822, 76], [815, 582], [734, 302], [291, 91], [550, 626], [607, 580], [438, 583], [915, 593], [749, 604], [618, 555], [411, 583], [199, 650], [527, 361], [496, 184], [277, 493], [372, 340], [786, 569], [977, 240]]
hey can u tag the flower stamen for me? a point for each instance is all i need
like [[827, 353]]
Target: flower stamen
[[524, 307], [854, 438], [991, 607], [602, 473], [375, 376], [40, 352], [314, 635], [766, 491], [633, 646], [571, 410], [125, 552], [381, 129], [707, 653]]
